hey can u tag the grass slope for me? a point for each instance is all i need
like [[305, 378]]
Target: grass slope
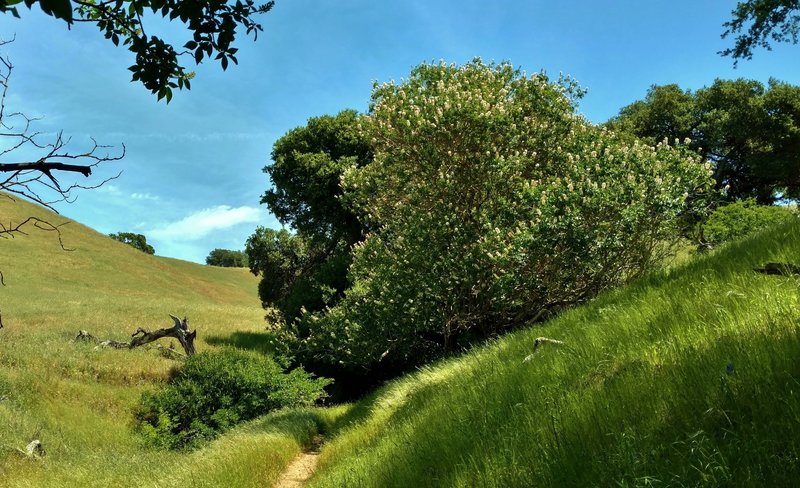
[[689, 377], [78, 401]]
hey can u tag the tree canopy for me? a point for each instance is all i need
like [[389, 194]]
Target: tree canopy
[[307, 164], [137, 241], [493, 204], [157, 65], [227, 258], [307, 270], [763, 22], [748, 131]]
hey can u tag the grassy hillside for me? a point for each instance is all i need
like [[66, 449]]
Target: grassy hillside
[[690, 377], [77, 400]]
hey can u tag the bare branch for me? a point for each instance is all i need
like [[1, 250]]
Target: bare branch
[[46, 167], [38, 179]]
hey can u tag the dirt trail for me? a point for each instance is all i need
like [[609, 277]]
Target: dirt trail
[[302, 466]]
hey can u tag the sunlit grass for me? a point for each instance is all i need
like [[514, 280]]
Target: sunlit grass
[[689, 377], [79, 400]]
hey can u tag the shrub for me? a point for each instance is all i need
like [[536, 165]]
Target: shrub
[[739, 219], [227, 258], [495, 204], [214, 391], [137, 241]]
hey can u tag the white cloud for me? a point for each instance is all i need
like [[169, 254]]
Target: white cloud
[[110, 189], [144, 196], [201, 223]]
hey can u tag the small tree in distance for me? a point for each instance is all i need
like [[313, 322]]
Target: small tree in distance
[[227, 258], [137, 241]]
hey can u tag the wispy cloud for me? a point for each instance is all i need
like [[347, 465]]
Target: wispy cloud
[[202, 223], [145, 196], [110, 189]]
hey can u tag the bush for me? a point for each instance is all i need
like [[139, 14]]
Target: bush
[[739, 219], [214, 391], [227, 258], [494, 204], [137, 241]]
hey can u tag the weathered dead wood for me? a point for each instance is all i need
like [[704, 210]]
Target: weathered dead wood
[[170, 352], [539, 341], [34, 450], [178, 331], [84, 336], [785, 269], [114, 344], [142, 337]]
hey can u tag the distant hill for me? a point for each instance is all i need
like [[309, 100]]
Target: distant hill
[[99, 275], [78, 400]]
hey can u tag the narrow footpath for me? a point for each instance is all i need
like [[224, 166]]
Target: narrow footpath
[[299, 471]]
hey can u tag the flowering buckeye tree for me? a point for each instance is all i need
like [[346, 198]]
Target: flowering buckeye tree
[[495, 205]]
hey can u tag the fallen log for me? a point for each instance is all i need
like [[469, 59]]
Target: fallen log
[[114, 344], [170, 352], [178, 331], [141, 337]]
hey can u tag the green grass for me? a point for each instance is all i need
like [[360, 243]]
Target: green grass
[[639, 394], [78, 401]]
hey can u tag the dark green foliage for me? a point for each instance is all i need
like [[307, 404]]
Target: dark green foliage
[[137, 241], [280, 258], [307, 165], [498, 206], [227, 258], [688, 378], [749, 132], [214, 391], [740, 219], [297, 274], [307, 270], [768, 20], [212, 24]]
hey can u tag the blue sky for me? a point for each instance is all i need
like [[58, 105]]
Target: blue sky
[[192, 175]]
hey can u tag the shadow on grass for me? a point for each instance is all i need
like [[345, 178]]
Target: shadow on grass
[[252, 341]]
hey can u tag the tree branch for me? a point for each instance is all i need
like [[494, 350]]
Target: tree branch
[[178, 331], [46, 167]]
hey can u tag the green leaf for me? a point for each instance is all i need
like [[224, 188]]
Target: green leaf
[[60, 9]]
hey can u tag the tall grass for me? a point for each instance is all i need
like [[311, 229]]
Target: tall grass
[[78, 401], [688, 377]]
